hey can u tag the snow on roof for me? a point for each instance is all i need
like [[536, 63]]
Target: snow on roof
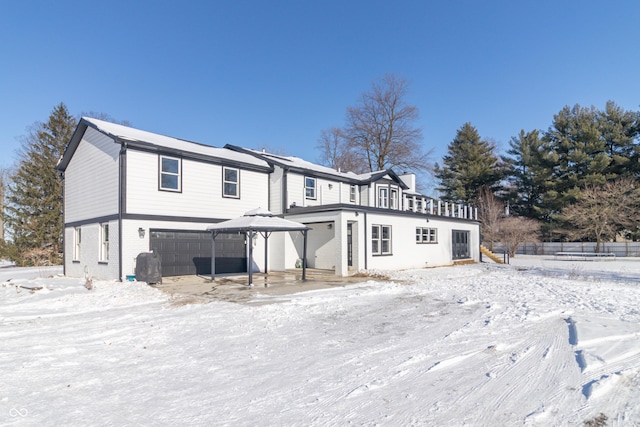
[[296, 162], [136, 135]]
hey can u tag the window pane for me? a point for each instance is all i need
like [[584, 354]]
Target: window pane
[[385, 247], [425, 234], [169, 181], [375, 232], [386, 232], [170, 165], [374, 247], [106, 232], [418, 234], [230, 189], [231, 175]]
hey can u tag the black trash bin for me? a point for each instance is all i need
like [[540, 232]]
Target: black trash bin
[[148, 267]]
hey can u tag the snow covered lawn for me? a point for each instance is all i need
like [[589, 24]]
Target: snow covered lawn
[[540, 342]]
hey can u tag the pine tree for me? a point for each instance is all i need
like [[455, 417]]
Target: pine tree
[[619, 131], [470, 163], [530, 174], [33, 213]]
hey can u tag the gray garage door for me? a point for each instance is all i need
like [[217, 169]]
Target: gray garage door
[[189, 252]]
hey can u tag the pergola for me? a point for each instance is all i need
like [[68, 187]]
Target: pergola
[[257, 221]]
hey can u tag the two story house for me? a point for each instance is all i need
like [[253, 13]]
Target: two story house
[[128, 191]]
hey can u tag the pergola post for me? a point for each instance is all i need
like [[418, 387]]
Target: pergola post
[[213, 255], [266, 251], [304, 255], [250, 261]]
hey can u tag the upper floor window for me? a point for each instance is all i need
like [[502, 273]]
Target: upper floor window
[[383, 197], [230, 182], [353, 194], [394, 198], [77, 240], [104, 242], [410, 203], [419, 205], [310, 188], [170, 171]]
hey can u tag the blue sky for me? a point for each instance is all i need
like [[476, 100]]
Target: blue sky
[[276, 73]]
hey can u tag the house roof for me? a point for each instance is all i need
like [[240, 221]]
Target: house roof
[[300, 165], [152, 141], [257, 220]]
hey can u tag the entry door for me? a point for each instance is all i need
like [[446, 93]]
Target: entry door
[[461, 249], [350, 244]]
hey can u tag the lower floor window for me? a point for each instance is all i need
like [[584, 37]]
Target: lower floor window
[[104, 242], [426, 235], [381, 239]]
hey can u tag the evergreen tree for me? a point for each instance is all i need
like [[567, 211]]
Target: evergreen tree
[[619, 131], [590, 148], [470, 163], [33, 213], [529, 170]]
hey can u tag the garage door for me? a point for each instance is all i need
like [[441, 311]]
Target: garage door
[[189, 252]]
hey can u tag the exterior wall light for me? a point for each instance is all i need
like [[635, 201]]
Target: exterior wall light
[[141, 232]]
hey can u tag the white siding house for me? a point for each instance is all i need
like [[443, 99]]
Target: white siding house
[[128, 191]]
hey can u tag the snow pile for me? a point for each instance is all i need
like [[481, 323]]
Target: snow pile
[[534, 343]]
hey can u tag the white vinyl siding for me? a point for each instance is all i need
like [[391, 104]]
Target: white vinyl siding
[[201, 194], [91, 179], [231, 182], [170, 173]]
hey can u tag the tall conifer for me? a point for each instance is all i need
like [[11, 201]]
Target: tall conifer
[[33, 213], [470, 163]]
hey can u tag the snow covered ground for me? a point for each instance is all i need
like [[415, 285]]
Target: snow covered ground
[[539, 342]]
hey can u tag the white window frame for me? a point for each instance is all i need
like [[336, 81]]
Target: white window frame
[[169, 173], [393, 199], [426, 235], [378, 239], [353, 194], [77, 241], [383, 197], [410, 203], [104, 242], [226, 182], [310, 190]]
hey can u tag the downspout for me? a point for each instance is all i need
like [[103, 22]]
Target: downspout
[[366, 239], [285, 201], [64, 229], [122, 178]]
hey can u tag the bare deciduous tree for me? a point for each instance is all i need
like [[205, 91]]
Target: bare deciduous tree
[[335, 152], [515, 230], [380, 132], [602, 211], [382, 127], [490, 213]]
